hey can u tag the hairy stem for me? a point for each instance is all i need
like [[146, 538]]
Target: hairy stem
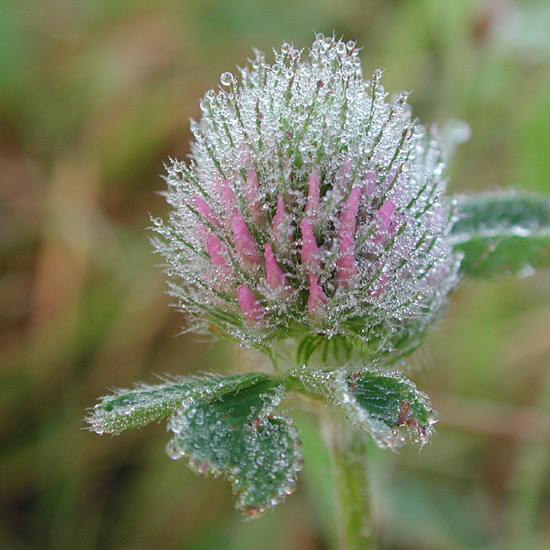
[[349, 458]]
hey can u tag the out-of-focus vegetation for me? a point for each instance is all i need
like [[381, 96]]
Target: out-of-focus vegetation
[[94, 96]]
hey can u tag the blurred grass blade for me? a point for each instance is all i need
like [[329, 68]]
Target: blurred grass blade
[[144, 404], [388, 406], [240, 434], [502, 234]]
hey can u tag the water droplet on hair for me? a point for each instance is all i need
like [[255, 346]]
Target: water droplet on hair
[[227, 79]]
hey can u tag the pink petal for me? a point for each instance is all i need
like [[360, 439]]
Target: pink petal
[[252, 186], [310, 251], [346, 263], [369, 183], [312, 203], [252, 191], [346, 170], [228, 196], [215, 248], [244, 242], [385, 214], [280, 219], [204, 208], [317, 301], [348, 217], [250, 305], [274, 274]]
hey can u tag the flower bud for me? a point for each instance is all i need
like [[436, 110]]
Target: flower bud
[[318, 203]]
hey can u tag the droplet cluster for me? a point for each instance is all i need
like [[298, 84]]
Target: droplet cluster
[[310, 205], [255, 447], [389, 419]]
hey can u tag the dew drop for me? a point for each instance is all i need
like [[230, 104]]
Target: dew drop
[[432, 416], [227, 79], [173, 451], [290, 487]]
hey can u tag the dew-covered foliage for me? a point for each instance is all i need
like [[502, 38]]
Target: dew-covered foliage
[[232, 426], [222, 425], [240, 434], [387, 406], [311, 223], [311, 204], [126, 409], [506, 233]]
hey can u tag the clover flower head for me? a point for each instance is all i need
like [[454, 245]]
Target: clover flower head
[[311, 207]]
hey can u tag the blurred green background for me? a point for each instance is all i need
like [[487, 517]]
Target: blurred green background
[[94, 97]]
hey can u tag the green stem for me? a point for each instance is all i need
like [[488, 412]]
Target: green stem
[[350, 465]]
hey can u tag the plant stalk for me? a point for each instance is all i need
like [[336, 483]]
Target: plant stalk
[[348, 448]]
